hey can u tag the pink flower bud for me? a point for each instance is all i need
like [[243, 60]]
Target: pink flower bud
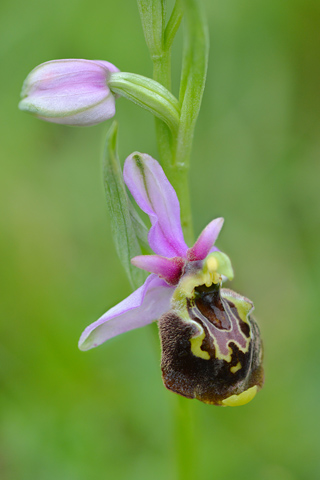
[[70, 92]]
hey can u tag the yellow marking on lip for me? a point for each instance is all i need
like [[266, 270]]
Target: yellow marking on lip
[[243, 306], [236, 368], [241, 399], [233, 325], [196, 343]]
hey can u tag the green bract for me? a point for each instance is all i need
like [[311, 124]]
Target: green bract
[[148, 94]]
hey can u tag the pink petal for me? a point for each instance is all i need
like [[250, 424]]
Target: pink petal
[[155, 196], [143, 306], [205, 241], [170, 269], [109, 66]]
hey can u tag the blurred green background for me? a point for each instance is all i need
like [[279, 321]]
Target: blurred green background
[[70, 415]]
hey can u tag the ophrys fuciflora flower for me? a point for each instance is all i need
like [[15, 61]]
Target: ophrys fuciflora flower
[[211, 347]]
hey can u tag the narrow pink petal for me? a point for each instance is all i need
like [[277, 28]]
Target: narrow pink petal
[[143, 306], [205, 241], [155, 196], [170, 269]]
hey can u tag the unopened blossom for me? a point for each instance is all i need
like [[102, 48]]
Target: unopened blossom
[[211, 348], [70, 92]]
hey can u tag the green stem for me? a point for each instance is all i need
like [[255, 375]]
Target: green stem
[[177, 173], [162, 74], [184, 435], [175, 149]]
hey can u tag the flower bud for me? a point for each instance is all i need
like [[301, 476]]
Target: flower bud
[[70, 92], [211, 347]]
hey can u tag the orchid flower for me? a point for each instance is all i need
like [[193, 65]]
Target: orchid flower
[[81, 92], [70, 92], [211, 348]]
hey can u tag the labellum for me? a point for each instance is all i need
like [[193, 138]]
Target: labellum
[[211, 347]]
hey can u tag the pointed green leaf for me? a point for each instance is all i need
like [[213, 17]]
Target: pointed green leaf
[[118, 203], [193, 75], [140, 229]]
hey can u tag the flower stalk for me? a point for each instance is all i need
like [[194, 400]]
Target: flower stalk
[[175, 147], [186, 450]]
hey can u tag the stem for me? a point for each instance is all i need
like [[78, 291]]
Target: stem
[[175, 149], [176, 173], [184, 439], [162, 74]]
